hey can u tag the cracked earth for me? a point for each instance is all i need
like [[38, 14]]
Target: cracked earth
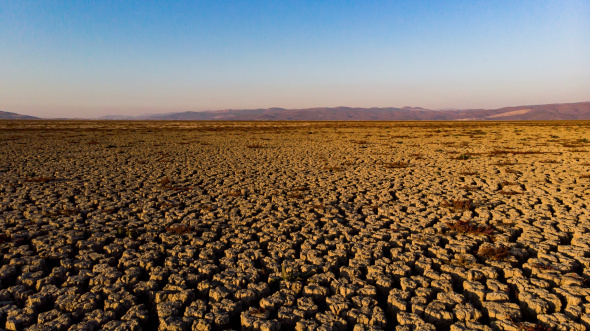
[[294, 226]]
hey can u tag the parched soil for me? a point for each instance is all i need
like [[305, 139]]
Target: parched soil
[[294, 225]]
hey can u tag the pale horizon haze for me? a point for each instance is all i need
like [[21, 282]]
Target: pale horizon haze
[[83, 59]]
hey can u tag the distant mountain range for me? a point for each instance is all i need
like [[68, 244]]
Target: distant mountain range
[[4, 115], [562, 111], [559, 111]]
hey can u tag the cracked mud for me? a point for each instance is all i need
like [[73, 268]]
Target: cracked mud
[[302, 226]]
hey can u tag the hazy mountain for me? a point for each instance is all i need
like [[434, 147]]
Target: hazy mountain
[[4, 115], [564, 111]]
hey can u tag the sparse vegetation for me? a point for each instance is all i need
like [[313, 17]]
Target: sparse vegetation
[[467, 227], [234, 193], [122, 232], [40, 179], [494, 253], [179, 229], [292, 276], [457, 205], [332, 168], [463, 157]]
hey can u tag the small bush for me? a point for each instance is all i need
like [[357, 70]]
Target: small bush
[[494, 253], [463, 157], [295, 195], [466, 227], [41, 179], [179, 229], [457, 205], [235, 193]]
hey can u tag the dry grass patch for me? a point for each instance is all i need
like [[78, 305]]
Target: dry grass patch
[[468, 173], [494, 253], [467, 227], [234, 193], [295, 195], [332, 168], [179, 229], [40, 179], [62, 212], [470, 188], [167, 184], [457, 205], [463, 157], [255, 146]]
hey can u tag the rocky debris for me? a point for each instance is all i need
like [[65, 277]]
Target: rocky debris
[[182, 226]]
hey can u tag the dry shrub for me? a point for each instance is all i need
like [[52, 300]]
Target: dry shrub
[[4, 238], [494, 253], [166, 183], [542, 266], [234, 193], [458, 204], [255, 146], [333, 168], [62, 212], [417, 156], [179, 229], [295, 195], [463, 157], [396, 165], [527, 326], [41, 179], [467, 227]]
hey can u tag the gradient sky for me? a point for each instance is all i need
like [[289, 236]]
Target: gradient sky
[[93, 58]]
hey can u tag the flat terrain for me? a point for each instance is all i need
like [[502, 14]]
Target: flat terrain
[[294, 225]]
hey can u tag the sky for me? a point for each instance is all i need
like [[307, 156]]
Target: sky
[[94, 58]]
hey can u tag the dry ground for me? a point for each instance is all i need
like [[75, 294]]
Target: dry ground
[[262, 226]]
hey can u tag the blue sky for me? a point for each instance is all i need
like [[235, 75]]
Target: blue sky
[[87, 59]]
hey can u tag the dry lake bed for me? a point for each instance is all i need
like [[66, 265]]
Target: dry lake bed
[[294, 225]]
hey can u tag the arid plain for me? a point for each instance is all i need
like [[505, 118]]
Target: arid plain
[[294, 225]]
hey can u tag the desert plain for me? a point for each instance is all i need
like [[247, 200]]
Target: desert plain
[[114, 225]]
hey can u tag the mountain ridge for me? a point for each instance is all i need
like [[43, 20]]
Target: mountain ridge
[[546, 112], [5, 115], [561, 111]]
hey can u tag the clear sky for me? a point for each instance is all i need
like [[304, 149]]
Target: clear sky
[[93, 58]]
